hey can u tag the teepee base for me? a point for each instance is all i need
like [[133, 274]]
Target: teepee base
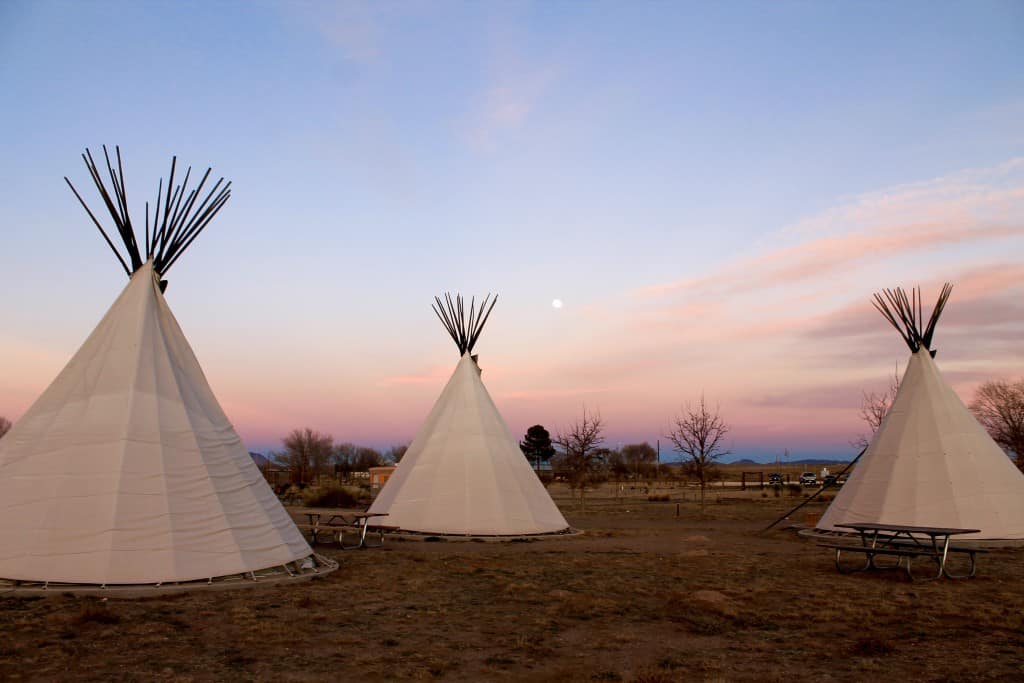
[[293, 572]]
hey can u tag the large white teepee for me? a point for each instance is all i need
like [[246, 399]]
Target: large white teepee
[[931, 463], [126, 470], [464, 473]]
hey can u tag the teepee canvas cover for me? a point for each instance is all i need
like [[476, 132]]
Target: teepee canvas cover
[[127, 471], [464, 473], [931, 463]]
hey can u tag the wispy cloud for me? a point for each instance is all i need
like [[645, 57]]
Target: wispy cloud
[[517, 82], [437, 375], [992, 193], [983, 297], [507, 103], [352, 26], [547, 394], [967, 208], [820, 257], [842, 396]]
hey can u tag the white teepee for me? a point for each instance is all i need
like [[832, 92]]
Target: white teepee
[[126, 470], [931, 463], [464, 473]]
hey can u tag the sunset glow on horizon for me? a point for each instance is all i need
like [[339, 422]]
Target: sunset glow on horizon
[[670, 200]]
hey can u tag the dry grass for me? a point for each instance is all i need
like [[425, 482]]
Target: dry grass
[[96, 612], [643, 597]]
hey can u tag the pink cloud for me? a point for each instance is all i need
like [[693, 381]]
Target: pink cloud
[[987, 296], [970, 207], [824, 256], [517, 88], [437, 375], [548, 394], [844, 396]]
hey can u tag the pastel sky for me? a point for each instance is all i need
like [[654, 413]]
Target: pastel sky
[[714, 190]]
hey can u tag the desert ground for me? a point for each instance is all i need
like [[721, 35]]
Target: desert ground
[[642, 595]]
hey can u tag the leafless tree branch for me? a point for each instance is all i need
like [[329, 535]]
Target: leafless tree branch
[[307, 454], [698, 435], [582, 458], [873, 409], [999, 407]]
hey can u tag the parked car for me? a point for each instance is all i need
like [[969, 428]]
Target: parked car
[[829, 480], [775, 479], [808, 479]]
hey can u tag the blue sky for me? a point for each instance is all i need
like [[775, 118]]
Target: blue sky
[[597, 152]]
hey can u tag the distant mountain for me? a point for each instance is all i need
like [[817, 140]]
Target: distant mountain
[[819, 461], [260, 459], [772, 463]]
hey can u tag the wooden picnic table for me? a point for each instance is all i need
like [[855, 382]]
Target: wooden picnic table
[[337, 523], [317, 527], [904, 542]]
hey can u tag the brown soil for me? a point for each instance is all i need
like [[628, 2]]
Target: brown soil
[[641, 596]]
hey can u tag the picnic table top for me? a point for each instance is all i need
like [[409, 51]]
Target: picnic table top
[[315, 515], [907, 528]]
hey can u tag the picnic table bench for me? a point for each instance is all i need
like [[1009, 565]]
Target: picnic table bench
[[904, 542], [358, 523]]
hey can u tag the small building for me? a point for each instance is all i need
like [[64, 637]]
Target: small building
[[379, 476]]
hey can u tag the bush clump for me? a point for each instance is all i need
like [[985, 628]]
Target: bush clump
[[290, 494], [331, 496]]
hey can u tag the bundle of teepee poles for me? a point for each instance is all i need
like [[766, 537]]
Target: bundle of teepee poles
[[464, 329], [177, 221]]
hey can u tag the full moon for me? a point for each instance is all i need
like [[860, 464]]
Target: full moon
[[556, 303]]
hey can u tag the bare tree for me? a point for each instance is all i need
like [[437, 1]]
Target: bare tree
[[5, 426], [582, 458], [874, 407], [349, 458], [616, 465], [999, 407], [396, 453], [367, 457], [307, 454], [697, 435], [640, 458]]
